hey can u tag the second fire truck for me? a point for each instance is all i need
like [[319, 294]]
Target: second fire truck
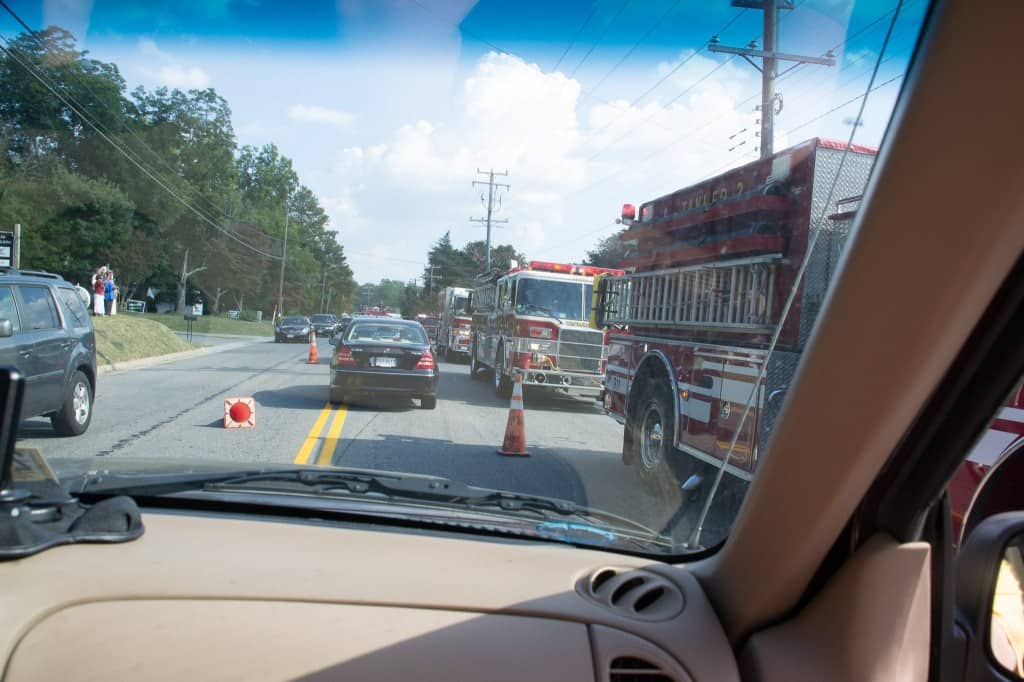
[[532, 321], [455, 323]]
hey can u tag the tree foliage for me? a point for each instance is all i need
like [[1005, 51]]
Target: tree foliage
[[154, 185], [608, 252]]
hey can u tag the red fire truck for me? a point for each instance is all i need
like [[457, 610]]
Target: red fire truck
[[455, 323], [533, 321], [691, 371], [710, 270]]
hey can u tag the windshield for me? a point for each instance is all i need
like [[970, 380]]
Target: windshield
[[373, 332], [203, 176], [561, 300]]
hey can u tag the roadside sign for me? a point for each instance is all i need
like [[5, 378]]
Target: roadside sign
[[6, 249], [134, 305], [234, 314], [197, 309]]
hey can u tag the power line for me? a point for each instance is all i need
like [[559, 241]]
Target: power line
[[607, 26], [667, 104], [142, 167], [579, 32], [631, 50], [475, 36], [664, 78]]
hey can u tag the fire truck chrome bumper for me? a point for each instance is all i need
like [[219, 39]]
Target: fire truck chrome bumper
[[575, 381]]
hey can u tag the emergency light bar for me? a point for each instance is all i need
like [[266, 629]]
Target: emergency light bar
[[570, 269]]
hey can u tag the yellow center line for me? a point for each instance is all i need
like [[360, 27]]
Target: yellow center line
[[314, 435], [333, 434]]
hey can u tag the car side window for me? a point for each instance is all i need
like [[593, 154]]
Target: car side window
[[8, 309], [74, 307], [38, 307]]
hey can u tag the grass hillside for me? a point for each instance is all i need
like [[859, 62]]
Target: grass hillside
[[208, 324], [130, 337]]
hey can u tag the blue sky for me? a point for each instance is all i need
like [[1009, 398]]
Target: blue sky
[[388, 107]]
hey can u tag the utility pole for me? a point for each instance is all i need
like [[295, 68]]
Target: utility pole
[[771, 104], [433, 302], [491, 196], [284, 258]]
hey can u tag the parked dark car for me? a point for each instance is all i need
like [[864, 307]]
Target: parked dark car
[[47, 333], [324, 324], [378, 356], [292, 328]]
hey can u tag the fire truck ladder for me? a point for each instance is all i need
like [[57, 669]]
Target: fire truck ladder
[[733, 295]]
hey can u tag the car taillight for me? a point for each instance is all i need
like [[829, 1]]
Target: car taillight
[[426, 361], [344, 357]]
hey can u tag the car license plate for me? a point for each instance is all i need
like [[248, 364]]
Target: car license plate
[[384, 362]]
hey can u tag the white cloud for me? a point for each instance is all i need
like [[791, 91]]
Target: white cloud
[[315, 114], [169, 71], [148, 47], [179, 76], [571, 165]]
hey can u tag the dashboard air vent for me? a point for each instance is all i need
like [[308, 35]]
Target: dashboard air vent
[[629, 669], [634, 593]]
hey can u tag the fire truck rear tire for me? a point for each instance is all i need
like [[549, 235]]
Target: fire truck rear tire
[[474, 366], [653, 438]]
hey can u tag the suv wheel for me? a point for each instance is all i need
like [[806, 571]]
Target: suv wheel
[[76, 411]]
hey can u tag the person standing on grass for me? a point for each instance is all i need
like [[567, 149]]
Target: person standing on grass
[[113, 286], [108, 292], [98, 291]]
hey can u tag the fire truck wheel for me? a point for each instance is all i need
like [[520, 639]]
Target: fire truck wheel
[[653, 438], [502, 383], [474, 366]]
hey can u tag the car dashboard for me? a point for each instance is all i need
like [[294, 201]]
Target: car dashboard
[[213, 596]]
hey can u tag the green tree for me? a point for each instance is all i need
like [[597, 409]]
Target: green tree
[[70, 224], [608, 252], [501, 256]]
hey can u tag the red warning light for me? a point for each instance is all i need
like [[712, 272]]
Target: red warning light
[[239, 413]]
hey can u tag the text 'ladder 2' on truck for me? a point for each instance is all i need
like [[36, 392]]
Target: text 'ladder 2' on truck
[[532, 321]]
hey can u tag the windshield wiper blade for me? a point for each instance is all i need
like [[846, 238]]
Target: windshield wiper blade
[[375, 484]]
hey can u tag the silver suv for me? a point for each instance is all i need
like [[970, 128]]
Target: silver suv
[[46, 332]]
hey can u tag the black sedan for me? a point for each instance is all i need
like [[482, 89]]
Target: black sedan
[[383, 356], [292, 328], [324, 324]]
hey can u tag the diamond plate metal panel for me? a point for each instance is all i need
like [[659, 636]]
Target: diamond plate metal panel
[[781, 369], [832, 235]]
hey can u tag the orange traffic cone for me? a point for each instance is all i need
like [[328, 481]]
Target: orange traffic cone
[[312, 347], [515, 431]]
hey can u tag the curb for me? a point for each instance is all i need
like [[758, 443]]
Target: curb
[[225, 336], [170, 357]]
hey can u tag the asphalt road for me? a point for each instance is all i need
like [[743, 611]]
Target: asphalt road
[[175, 411]]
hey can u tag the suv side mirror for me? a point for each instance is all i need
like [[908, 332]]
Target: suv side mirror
[[6, 329], [989, 604]]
